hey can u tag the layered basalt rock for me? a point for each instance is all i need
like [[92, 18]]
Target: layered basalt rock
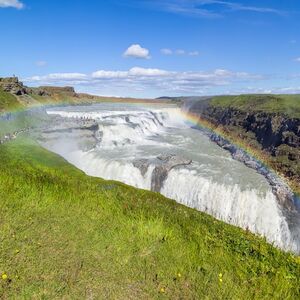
[[276, 134]]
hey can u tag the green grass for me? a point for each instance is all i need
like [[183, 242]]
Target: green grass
[[65, 235], [285, 104], [21, 120], [8, 102]]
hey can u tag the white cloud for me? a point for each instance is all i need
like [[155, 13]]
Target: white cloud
[[109, 74], [146, 80], [180, 52], [194, 53], [11, 3], [56, 77], [41, 63], [137, 71], [297, 59], [208, 8], [166, 51], [133, 72], [137, 51]]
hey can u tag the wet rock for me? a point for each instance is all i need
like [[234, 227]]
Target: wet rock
[[67, 125], [142, 165], [280, 189], [163, 164], [82, 132], [278, 134]]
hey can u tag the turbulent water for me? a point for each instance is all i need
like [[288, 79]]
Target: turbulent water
[[134, 144]]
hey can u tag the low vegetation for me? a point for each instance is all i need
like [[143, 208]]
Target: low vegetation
[[8, 102], [284, 104], [65, 235]]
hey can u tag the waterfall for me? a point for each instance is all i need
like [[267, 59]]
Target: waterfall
[[213, 183]]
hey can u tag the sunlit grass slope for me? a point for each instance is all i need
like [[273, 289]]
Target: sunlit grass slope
[[65, 235], [285, 104], [8, 102]]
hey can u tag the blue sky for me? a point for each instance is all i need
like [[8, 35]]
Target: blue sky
[[144, 48]]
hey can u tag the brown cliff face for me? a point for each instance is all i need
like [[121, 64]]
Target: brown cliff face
[[275, 134], [271, 130], [14, 86]]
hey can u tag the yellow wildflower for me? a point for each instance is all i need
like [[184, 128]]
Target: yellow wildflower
[[4, 276], [162, 290], [178, 275]]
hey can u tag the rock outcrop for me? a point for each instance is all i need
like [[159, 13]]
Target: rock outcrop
[[54, 90], [275, 134], [271, 130], [82, 132], [281, 190], [14, 86], [163, 164]]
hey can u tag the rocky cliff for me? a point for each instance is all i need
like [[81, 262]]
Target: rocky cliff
[[54, 90], [14, 86], [276, 134]]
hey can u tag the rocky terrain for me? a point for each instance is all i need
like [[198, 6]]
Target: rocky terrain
[[25, 96], [13, 86], [83, 132], [276, 134], [267, 123]]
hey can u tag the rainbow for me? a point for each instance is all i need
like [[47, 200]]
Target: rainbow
[[196, 121]]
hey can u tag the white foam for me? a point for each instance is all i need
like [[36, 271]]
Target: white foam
[[249, 208]]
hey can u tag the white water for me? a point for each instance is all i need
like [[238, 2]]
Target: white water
[[213, 183]]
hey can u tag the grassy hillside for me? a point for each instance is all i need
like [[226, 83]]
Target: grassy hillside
[[8, 102], [65, 235], [285, 104]]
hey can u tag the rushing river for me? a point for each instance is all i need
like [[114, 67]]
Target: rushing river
[[129, 142]]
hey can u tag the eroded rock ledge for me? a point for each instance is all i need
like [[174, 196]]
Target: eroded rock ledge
[[163, 164], [269, 132]]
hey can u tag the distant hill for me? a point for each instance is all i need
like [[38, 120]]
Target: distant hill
[[14, 95]]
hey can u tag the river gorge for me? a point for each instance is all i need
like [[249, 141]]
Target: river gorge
[[154, 147]]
